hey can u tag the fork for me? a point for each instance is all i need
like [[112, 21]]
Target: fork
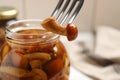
[[67, 10]]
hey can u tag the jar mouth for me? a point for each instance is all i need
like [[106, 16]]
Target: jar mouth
[[32, 32]]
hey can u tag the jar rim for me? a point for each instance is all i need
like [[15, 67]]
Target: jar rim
[[11, 31]]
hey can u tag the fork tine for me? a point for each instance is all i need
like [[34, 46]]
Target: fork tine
[[69, 11], [57, 7], [63, 10], [68, 16], [76, 11]]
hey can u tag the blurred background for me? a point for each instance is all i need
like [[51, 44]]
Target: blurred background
[[92, 21], [93, 13]]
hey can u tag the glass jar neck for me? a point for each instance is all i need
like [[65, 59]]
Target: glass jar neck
[[25, 33]]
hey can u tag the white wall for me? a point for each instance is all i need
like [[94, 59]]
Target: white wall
[[39, 8], [43, 8], [92, 14], [108, 13]]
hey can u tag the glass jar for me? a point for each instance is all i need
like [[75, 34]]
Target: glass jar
[[32, 53], [2, 35], [7, 14]]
